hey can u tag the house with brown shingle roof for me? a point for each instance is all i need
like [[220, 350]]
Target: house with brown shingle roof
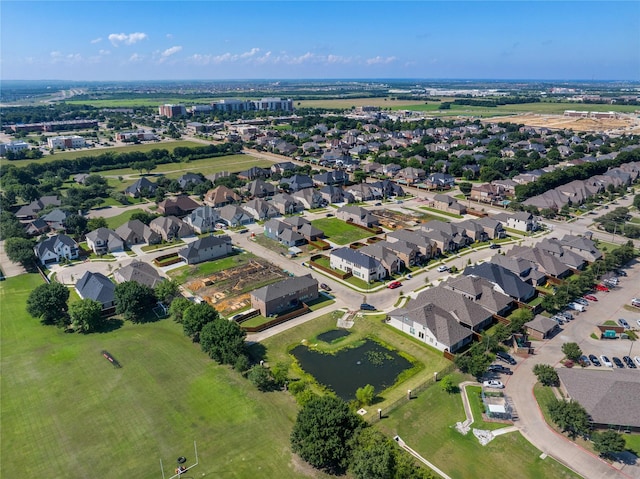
[[221, 196]]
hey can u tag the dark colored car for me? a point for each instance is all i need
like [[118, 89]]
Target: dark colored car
[[367, 307], [499, 368], [621, 272], [617, 362], [629, 362], [325, 287], [584, 361], [594, 360], [494, 246], [506, 357]]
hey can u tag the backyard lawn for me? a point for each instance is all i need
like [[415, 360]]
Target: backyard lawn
[[427, 425], [117, 221], [340, 232], [67, 412]]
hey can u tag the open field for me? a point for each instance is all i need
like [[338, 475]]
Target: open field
[[355, 102], [66, 412], [69, 155], [576, 124], [426, 425], [133, 102], [340, 232], [538, 107]]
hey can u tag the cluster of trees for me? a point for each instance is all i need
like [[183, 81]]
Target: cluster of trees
[[546, 374], [49, 112], [330, 436], [570, 417], [616, 221]]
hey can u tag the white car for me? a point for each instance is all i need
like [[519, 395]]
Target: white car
[[442, 269], [605, 360], [637, 360], [493, 383]]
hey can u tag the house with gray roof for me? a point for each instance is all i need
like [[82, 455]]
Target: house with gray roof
[[203, 219], [335, 194], [140, 272], [298, 182], [260, 189], [507, 282], [543, 260], [103, 241], [492, 227], [286, 204], [56, 219], [206, 248], [309, 198], [31, 210], [364, 192], [408, 253], [260, 209], [358, 264], [426, 246], [98, 287], [473, 230], [234, 215], [357, 215], [583, 246], [440, 181], [566, 255], [606, 395], [136, 232], [37, 227], [448, 236], [55, 248], [388, 188], [482, 292], [337, 177], [190, 178], [143, 185], [170, 228], [520, 220], [284, 295], [541, 327], [526, 270], [386, 256]]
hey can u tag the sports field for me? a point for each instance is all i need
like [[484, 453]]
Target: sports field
[[67, 412]]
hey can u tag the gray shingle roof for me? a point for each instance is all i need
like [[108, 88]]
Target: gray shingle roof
[[508, 281], [192, 250], [96, 286], [284, 288], [140, 272], [355, 257]]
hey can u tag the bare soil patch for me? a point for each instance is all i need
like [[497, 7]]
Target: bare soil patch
[[627, 124]]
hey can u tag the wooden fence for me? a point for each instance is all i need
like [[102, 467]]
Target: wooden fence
[[327, 270], [279, 320]]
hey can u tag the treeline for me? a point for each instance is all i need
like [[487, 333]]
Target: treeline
[[494, 102], [110, 160], [559, 177], [37, 114]]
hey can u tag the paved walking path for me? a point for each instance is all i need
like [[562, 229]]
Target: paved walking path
[[432, 466]]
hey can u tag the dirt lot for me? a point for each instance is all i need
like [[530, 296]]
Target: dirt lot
[[392, 219], [228, 290], [625, 124]]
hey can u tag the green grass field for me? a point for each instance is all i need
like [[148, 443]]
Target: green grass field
[[541, 108], [117, 221], [69, 155], [339, 231], [184, 273], [66, 412], [427, 425]]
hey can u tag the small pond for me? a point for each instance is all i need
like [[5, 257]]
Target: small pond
[[352, 368], [331, 336]]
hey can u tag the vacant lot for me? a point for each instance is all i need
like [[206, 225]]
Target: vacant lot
[[66, 412], [426, 424], [340, 232]]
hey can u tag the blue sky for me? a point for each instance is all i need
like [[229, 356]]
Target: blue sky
[[173, 40]]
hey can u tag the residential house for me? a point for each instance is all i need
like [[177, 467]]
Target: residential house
[[254, 173], [206, 248], [98, 287], [449, 204], [474, 230], [56, 219], [443, 233], [55, 248], [170, 228], [583, 246], [337, 177], [31, 210], [80, 178], [142, 187], [541, 327], [507, 282], [487, 193], [136, 232], [179, 206], [520, 221], [189, 178], [390, 169], [440, 181], [104, 240], [286, 204], [309, 198], [364, 192], [234, 215], [285, 295], [360, 265], [335, 194], [482, 292], [298, 182], [260, 189], [304, 227], [492, 227], [140, 272], [508, 186], [37, 227], [566, 255], [543, 260], [411, 175], [203, 219], [357, 215], [408, 253], [427, 247], [221, 196], [388, 188], [386, 256], [260, 209], [526, 270], [283, 166]]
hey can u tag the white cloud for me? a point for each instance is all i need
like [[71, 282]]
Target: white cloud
[[338, 59], [59, 57], [127, 39], [224, 58], [104, 52], [171, 51], [135, 58], [169, 35], [380, 60], [55, 54], [96, 40], [257, 57]]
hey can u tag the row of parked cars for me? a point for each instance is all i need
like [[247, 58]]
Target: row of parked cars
[[603, 360]]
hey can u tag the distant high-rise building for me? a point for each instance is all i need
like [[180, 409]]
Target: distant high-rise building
[[171, 111]]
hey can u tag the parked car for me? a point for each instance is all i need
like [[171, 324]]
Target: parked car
[[584, 361], [581, 301], [638, 321], [594, 360], [329, 215], [442, 269], [394, 285], [367, 307], [325, 287], [506, 357], [566, 314], [378, 204], [577, 307], [623, 322], [613, 281], [621, 272], [590, 297], [602, 287], [559, 319], [637, 360], [617, 362], [629, 362], [635, 302], [605, 360], [499, 368], [493, 383], [409, 276], [494, 246]]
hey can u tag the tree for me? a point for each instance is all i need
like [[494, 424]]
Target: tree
[[260, 378], [546, 374], [475, 361], [465, 188], [608, 442], [10, 227], [133, 300], [359, 176], [322, 431], [374, 456], [195, 317], [95, 223], [143, 216], [85, 315], [280, 373], [166, 290], [178, 307], [76, 224], [572, 351], [570, 416], [20, 250], [49, 303], [365, 395], [447, 384], [223, 340], [518, 318]]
